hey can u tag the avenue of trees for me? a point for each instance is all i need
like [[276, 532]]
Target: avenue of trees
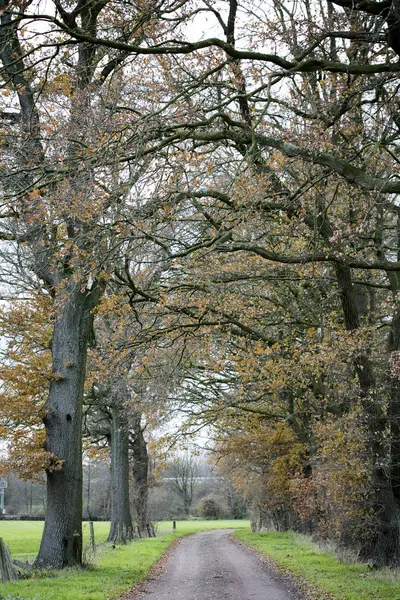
[[213, 496], [200, 223]]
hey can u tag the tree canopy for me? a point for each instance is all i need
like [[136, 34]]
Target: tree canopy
[[215, 185]]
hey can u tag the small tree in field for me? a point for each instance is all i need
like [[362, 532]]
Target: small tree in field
[[210, 508]]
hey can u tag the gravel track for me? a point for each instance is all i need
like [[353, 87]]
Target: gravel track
[[210, 566]]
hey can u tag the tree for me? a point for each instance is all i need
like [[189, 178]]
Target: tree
[[210, 508], [121, 523], [271, 218], [107, 426], [59, 198], [141, 475], [183, 474]]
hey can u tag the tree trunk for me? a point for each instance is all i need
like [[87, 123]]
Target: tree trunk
[[140, 471], [61, 543], [394, 404], [7, 570], [384, 547], [121, 528], [394, 413]]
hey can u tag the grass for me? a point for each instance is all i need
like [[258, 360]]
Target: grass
[[113, 571], [296, 554], [193, 526], [116, 570], [23, 537]]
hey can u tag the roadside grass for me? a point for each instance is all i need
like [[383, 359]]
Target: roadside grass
[[23, 537], [329, 578], [112, 572]]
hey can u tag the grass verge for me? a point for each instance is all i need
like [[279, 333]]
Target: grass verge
[[319, 573], [23, 537], [113, 572]]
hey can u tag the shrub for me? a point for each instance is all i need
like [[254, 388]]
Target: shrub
[[210, 508]]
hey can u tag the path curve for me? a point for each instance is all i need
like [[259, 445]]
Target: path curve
[[210, 566]]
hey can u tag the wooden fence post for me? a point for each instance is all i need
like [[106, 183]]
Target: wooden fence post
[[91, 529], [7, 570]]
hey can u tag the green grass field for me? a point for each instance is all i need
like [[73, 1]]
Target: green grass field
[[109, 575], [23, 537], [327, 576], [113, 571]]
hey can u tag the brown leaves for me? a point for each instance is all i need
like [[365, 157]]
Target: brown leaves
[[26, 376]]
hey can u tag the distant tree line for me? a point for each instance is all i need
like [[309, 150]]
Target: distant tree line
[[213, 497]]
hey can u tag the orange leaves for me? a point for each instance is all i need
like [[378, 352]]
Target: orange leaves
[[60, 84], [276, 161], [262, 459], [26, 454], [339, 491], [25, 374]]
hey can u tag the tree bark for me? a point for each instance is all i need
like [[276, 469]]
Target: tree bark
[[61, 543], [7, 570], [140, 471], [384, 547], [121, 528], [394, 403]]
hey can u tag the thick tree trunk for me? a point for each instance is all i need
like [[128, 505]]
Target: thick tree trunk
[[384, 547], [8, 572], [121, 522], [394, 410], [394, 404], [61, 543], [140, 471]]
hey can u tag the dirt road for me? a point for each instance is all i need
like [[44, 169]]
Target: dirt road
[[210, 566]]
